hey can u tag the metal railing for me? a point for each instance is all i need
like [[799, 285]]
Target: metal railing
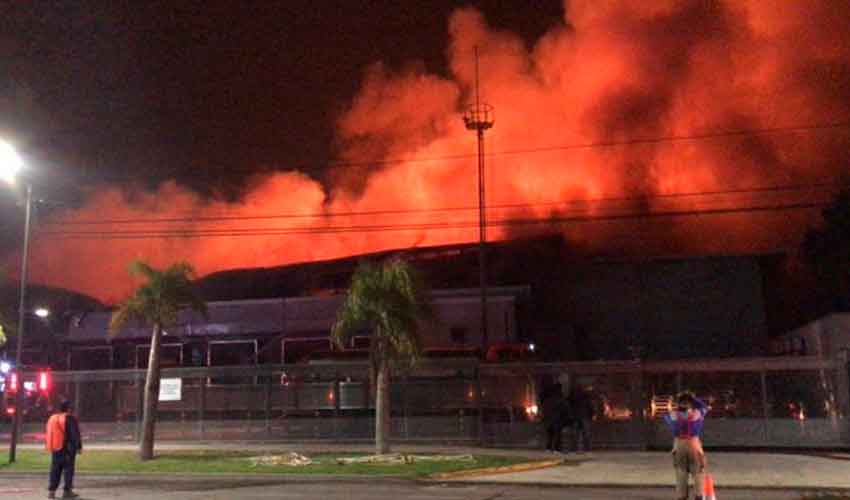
[[775, 402]]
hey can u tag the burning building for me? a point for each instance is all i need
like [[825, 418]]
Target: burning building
[[634, 128]]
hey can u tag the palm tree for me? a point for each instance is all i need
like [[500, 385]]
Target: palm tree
[[156, 303], [389, 299]]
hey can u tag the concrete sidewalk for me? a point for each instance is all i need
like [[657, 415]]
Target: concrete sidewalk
[[655, 469], [749, 470]]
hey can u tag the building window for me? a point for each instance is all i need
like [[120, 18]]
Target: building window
[[170, 356], [90, 358], [360, 342], [232, 353], [197, 357], [298, 350], [458, 335]]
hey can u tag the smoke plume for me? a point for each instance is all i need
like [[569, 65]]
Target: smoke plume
[[614, 75]]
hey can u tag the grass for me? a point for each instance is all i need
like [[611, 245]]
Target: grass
[[211, 462]]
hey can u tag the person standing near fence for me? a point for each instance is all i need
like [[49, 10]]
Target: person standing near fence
[[686, 423], [63, 441], [581, 404], [551, 403]]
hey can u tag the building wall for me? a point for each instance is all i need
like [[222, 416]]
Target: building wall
[[825, 337], [463, 315], [666, 308], [272, 322]]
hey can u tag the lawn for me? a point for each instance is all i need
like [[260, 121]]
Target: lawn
[[125, 462]]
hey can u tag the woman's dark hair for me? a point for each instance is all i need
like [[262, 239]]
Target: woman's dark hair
[[684, 398]]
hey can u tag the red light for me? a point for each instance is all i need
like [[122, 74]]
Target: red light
[[13, 382], [44, 381], [10, 411]]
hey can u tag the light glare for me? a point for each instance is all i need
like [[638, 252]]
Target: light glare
[[10, 162]]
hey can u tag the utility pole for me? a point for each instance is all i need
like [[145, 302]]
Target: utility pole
[[17, 418], [479, 117]]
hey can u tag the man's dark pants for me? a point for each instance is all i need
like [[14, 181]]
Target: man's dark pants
[[581, 432], [62, 462], [553, 435]]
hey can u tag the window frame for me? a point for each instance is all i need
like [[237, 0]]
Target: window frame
[[284, 340], [212, 343], [76, 349], [148, 346]]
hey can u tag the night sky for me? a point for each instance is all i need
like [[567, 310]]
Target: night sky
[[204, 92]]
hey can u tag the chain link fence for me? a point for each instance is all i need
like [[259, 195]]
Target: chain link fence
[[798, 402]]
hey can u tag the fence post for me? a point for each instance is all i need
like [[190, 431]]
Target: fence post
[[637, 406], [405, 406], [842, 382], [78, 400], [337, 403], [202, 408], [480, 403], [766, 408], [842, 387], [140, 401], [268, 405]]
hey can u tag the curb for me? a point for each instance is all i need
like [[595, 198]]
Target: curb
[[265, 478], [486, 471], [659, 486], [258, 477]]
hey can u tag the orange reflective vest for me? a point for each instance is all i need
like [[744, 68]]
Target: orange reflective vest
[[54, 437]]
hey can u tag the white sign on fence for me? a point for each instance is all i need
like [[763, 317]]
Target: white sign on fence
[[170, 389]]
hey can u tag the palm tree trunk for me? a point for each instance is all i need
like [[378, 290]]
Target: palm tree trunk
[[382, 408], [151, 397]]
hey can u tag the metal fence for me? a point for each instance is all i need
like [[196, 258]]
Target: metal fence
[[773, 402]]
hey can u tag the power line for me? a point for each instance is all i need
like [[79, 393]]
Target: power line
[[579, 202], [543, 149], [256, 232], [680, 138]]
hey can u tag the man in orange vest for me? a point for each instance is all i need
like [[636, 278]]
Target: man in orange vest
[[63, 440]]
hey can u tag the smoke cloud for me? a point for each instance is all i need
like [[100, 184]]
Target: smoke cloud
[[612, 71]]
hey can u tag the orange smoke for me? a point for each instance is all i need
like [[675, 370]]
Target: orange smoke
[[612, 72]]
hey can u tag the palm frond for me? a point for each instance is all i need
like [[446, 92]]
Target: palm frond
[[142, 269], [390, 300], [160, 299]]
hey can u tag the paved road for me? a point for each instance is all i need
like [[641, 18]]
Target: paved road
[[30, 488]]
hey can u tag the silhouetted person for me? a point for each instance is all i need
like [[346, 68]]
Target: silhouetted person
[[581, 406], [552, 404]]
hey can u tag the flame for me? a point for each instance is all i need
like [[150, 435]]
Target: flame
[[612, 71]]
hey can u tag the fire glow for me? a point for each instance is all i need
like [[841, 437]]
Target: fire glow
[[609, 72]]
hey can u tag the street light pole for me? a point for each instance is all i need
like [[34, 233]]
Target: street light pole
[[22, 317], [480, 118]]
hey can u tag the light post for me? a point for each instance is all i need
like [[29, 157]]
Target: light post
[[10, 164]]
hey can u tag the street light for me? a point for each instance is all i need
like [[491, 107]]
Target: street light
[[10, 165], [10, 162], [42, 312]]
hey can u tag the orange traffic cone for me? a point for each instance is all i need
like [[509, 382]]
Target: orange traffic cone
[[708, 487]]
